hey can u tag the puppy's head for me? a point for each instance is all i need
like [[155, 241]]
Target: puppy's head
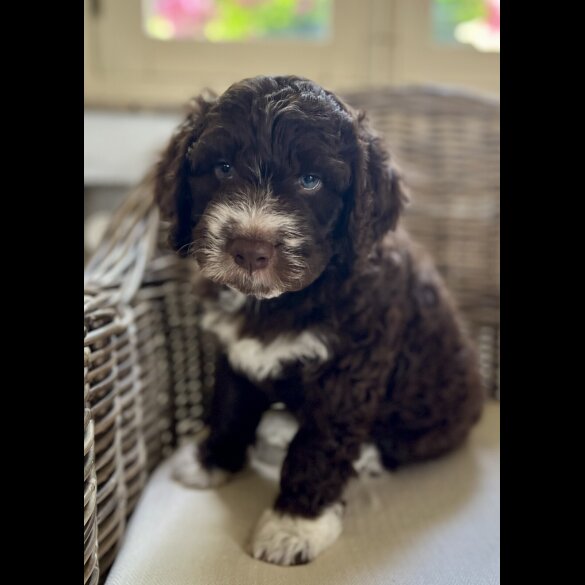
[[267, 183]]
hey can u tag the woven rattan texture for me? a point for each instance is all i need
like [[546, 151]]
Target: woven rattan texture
[[149, 370], [90, 555]]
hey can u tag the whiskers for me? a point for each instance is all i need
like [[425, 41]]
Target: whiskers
[[186, 249]]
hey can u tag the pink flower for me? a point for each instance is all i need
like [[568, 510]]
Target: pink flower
[[493, 17], [186, 16]]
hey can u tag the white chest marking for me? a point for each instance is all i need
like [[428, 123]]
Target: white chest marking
[[259, 360]]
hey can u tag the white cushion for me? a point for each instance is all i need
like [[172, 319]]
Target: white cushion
[[431, 524]]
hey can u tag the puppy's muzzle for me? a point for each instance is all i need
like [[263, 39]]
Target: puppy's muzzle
[[251, 255]]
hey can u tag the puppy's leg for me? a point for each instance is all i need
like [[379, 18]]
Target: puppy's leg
[[400, 445], [370, 461], [335, 418], [236, 409], [307, 516]]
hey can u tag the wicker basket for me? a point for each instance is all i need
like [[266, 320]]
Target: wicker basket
[[90, 556], [149, 369]]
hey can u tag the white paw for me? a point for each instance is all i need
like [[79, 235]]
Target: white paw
[[369, 462], [283, 539], [188, 470]]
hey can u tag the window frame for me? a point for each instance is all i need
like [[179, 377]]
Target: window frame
[[373, 42]]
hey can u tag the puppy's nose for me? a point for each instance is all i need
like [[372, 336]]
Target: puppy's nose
[[251, 254]]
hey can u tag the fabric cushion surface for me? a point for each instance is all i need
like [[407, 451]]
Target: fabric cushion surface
[[430, 524]]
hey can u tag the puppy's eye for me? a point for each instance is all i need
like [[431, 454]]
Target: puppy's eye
[[310, 182], [223, 170]]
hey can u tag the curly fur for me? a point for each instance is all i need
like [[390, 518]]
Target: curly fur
[[375, 353]]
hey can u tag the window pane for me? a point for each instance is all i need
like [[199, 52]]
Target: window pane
[[236, 20], [472, 22]]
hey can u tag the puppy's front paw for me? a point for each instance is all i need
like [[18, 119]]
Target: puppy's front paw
[[188, 470], [369, 463], [283, 539]]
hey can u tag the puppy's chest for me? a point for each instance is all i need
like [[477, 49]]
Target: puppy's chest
[[259, 356]]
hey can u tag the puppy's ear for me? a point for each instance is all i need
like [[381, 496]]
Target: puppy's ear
[[171, 173], [380, 195]]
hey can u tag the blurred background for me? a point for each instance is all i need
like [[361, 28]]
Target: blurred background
[[144, 59]]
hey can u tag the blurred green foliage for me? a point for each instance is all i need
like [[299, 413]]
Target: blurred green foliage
[[463, 10], [237, 20]]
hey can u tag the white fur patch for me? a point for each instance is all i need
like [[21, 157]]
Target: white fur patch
[[273, 436], [254, 216], [231, 300], [261, 361], [188, 471], [289, 540], [369, 462], [258, 360], [225, 326]]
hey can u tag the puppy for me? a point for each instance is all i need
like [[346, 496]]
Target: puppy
[[286, 200]]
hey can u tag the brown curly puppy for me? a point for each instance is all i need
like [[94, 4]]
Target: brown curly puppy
[[285, 198]]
